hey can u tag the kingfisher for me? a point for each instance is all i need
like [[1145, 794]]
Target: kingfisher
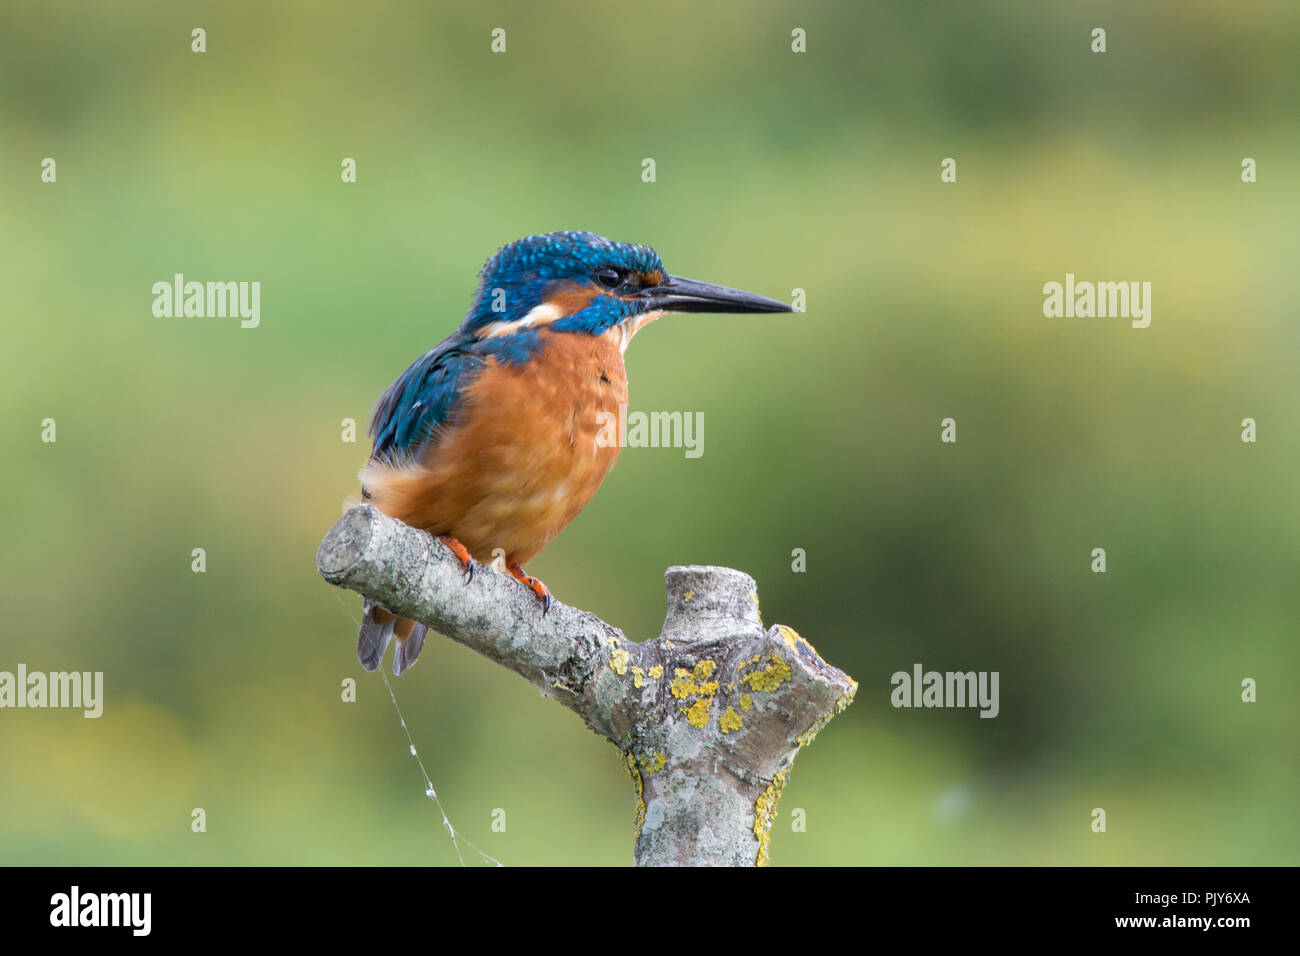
[[490, 440]]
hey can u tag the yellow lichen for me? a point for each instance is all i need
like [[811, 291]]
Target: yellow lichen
[[688, 595], [765, 814], [654, 763], [730, 720], [695, 684], [657, 671], [698, 713], [629, 764], [638, 677], [804, 739], [847, 699], [618, 662], [746, 702], [753, 596], [640, 807], [793, 639], [771, 677]]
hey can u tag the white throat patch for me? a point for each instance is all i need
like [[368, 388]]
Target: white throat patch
[[623, 332]]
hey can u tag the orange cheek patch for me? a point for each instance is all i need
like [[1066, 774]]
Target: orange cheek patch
[[572, 298]]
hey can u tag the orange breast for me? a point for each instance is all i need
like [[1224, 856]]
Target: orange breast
[[524, 458]]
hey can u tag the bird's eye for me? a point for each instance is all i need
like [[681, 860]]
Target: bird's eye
[[609, 277]]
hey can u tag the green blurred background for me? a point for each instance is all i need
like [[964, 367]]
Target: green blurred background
[[775, 170]]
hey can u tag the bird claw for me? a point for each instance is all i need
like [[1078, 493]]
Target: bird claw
[[462, 555], [543, 593], [537, 587]]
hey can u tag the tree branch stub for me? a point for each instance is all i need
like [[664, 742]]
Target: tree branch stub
[[709, 715]]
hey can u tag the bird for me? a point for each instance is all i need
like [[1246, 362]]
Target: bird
[[490, 440]]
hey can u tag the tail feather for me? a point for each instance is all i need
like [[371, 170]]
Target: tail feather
[[408, 651], [376, 632], [378, 628]]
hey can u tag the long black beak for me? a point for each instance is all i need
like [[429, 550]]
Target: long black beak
[[687, 295]]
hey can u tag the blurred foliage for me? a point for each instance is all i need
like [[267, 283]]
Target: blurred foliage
[[775, 170]]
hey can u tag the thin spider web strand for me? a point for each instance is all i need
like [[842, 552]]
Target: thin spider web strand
[[429, 790]]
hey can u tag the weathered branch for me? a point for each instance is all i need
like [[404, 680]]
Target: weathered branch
[[708, 716]]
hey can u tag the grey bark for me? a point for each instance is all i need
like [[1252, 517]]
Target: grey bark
[[708, 716]]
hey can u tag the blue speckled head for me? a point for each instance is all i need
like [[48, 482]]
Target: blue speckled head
[[583, 283], [590, 283]]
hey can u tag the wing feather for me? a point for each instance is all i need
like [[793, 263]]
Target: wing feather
[[425, 397]]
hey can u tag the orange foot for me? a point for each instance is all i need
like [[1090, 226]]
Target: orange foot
[[536, 586], [462, 555]]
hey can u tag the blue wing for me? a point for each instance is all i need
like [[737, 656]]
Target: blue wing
[[425, 396]]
